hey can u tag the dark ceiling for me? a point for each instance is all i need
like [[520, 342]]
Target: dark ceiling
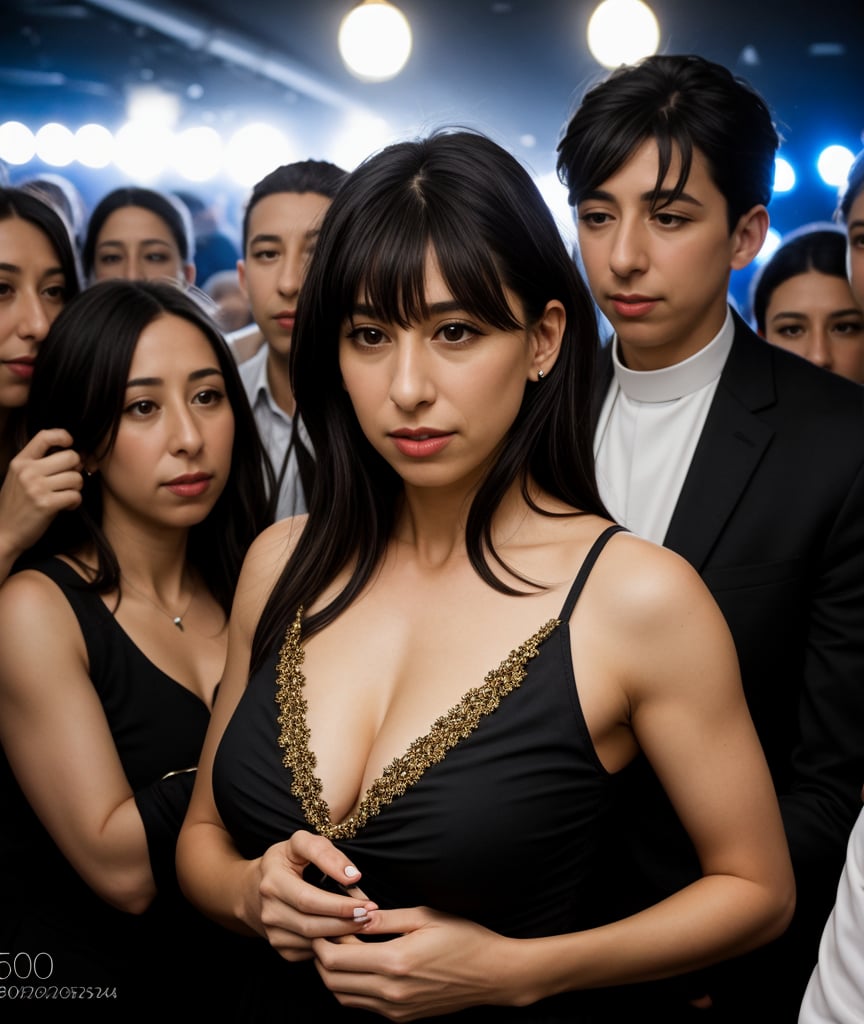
[[512, 69]]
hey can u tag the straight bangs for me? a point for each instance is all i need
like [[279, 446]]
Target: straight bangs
[[387, 270]]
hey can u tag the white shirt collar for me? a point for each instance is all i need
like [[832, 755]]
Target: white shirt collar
[[685, 378]]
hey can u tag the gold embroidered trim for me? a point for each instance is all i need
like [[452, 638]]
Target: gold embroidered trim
[[458, 723]]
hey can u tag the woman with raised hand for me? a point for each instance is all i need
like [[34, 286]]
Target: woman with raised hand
[[38, 275], [114, 635], [434, 677]]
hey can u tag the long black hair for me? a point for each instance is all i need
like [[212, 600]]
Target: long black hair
[[79, 382], [466, 198]]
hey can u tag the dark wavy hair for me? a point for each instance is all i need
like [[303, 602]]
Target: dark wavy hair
[[461, 195], [819, 247], [79, 383], [684, 103], [169, 208]]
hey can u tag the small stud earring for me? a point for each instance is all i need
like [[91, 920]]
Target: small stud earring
[[540, 375]]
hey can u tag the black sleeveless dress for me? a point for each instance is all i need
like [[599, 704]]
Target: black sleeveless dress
[[507, 776], [158, 727]]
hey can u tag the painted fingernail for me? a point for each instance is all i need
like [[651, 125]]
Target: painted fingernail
[[360, 914], [351, 871]]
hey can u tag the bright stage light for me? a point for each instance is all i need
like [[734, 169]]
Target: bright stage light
[[255, 150], [622, 32], [55, 145], [94, 146], [17, 143], [141, 150], [375, 40], [358, 136], [198, 153], [833, 165]]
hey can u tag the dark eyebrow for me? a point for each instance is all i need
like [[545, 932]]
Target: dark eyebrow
[[150, 382], [436, 309], [12, 268], [662, 196], [277, 239], [120, 243]]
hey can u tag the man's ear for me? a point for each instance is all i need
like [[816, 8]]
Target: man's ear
[[749, 236], [241, 277], [546, 338]]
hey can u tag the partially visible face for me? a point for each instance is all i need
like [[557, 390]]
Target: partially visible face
[[32, 287], [172, 455], [283, 229], [137, 245], [437, 399], [855, 236], [815, 316], [661, 278]]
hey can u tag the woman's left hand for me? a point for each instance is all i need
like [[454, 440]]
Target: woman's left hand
[[435, 964]]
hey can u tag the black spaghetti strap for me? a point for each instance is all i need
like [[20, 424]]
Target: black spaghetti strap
[[585, 569]]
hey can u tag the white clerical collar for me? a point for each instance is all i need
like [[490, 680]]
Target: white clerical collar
[[684, 378]]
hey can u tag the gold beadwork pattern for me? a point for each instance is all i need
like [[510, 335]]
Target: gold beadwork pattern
[[458, 723]]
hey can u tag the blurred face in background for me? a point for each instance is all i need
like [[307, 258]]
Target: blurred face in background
[[816, 316], [136, 244]]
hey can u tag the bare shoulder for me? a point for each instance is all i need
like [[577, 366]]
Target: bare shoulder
[[648, 587], [31, 599], [38, 629], [265, 560]]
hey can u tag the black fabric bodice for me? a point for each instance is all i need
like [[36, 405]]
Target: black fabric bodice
[[158, 726], [507, 777]]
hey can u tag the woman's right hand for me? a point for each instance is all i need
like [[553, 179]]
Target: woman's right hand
[[43, 479], [293, 912]]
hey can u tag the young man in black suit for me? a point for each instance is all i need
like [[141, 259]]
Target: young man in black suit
[[743, 458]]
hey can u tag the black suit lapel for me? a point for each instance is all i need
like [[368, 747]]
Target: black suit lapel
[[730, 448]]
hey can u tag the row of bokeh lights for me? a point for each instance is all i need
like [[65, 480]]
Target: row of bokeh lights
[[145, 152], [199, 154]]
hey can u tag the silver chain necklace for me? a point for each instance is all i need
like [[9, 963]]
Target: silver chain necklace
[[176, 619]]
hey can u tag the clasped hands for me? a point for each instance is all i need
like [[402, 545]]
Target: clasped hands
[[432, 963]]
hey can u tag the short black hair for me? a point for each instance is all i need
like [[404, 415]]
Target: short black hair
[[684, 103], [318, 176]]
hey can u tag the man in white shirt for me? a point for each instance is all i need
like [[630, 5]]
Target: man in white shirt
[[280, 225], [746, 460]]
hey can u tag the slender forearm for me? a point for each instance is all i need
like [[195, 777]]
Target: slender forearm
[[712, 919], [216, 879]]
